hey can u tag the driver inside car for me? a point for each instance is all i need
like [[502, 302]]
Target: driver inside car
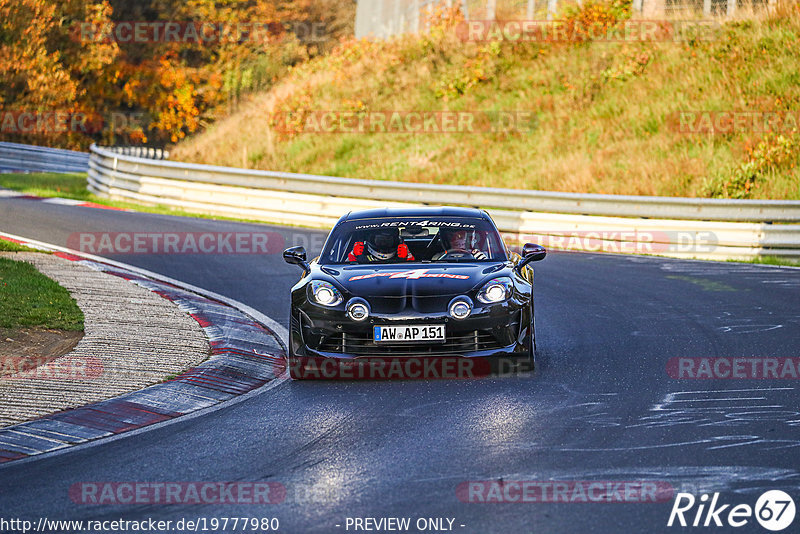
[[460, 242], [382, 246]]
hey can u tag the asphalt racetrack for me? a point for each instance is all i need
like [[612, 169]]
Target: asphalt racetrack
[[604, 404]]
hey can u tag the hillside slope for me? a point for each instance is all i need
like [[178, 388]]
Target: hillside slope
[[606, 112]]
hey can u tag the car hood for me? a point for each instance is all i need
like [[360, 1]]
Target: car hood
[[418, 281]]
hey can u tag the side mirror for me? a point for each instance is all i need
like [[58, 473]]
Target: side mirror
[[531, 252], [296, 256], [532, 249]]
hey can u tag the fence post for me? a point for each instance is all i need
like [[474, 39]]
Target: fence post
[[531, 8], [707, 8], [552, 5], [491, 8], [637, 5], [732, 7]]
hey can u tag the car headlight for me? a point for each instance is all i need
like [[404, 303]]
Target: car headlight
[[325, 293], [496, 290]]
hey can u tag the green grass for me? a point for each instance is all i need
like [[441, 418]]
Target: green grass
[[30, 299], [8, 246], [771, 260], [604, 114], [48, 184]]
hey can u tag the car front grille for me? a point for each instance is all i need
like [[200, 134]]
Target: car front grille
[[364, 345]]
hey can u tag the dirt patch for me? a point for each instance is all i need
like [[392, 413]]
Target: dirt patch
[[24, 349]]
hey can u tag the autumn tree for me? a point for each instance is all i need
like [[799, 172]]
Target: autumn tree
[[64, 56]]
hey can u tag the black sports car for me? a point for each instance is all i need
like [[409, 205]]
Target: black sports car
[[411, 285]]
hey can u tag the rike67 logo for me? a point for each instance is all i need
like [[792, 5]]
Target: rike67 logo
[[774, 510]]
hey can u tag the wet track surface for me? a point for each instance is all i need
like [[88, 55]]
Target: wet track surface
[[600, 406]]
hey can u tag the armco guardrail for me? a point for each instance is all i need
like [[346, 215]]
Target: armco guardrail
[[486, 197], [680, 227], [31, 158]]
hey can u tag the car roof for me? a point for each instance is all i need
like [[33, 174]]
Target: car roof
[[422, 211]]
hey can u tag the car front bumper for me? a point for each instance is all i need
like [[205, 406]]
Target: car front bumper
[[496, 330]]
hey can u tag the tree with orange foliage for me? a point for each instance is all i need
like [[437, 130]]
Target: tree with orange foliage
[[163, 90]]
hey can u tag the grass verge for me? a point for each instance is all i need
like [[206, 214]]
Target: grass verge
[[9, 246], [771, 260], [48, 184], [30, 299]]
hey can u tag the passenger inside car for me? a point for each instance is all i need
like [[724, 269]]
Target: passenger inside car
[[381, 246]]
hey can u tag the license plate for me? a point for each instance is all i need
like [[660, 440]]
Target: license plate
[[408, 333]]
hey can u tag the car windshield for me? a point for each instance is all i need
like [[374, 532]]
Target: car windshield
[[420, 239]]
